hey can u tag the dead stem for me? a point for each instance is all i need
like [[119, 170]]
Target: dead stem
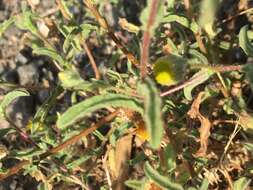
[[92, 61], [103, 23], [14, 170], [63, 11], [82, 134]]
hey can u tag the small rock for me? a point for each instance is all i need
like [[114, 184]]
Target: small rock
[[28, 74], [11, 76], [21, 59]]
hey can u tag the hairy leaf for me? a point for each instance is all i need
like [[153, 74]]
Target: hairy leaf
[[8, 98], [50, 53], [202, 76], [207, 16], [193, 26], [152, 111], [241, 184], [82, 109], [244, 41], [160, 180], [25, 21], [5, 25]]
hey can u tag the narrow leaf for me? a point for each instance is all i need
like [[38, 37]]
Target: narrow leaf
[[70, 79], [244, 41], [152, 112], [248, 69], [160, 180], [207, 16], [193, 26], [203, 75], [25, 21], [5, 25], [241, 184], [50, 53], [204, 185], [8, 98], [94, 103], [43, 110]]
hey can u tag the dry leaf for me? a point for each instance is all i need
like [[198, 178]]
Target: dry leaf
[[122, 155], [128, 26], [205, 127], [44, 30]]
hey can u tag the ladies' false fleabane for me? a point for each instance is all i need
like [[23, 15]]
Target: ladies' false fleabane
[[169, 69]]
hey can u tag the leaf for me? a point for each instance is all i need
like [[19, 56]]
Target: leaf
[[204, 130], [135, 184], [207, 17], [160, 180], [157, 19], [87, 29], [199, 56], [5, 25], [204, 185], [25, 21], [202, 76], [43, 110], [64, 9], [241, 184], [8, 98], [70, 79], [50, 53], [193, 26], [152, 111], [244, 41], [125, 25], [94, 103], [248, 69], [170, 157]]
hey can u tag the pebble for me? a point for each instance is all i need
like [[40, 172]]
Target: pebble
[[28, 74]]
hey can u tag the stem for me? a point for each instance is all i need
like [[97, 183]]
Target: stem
[[146, 38], [75, 138], [92, 61], [193, 80], [103, 23]]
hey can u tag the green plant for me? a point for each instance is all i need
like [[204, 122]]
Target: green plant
[[119, 102]]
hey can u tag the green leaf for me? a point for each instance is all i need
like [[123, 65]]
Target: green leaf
[[160, 180], [158, 17], [203, 75], [5, 25], [204, 185], [70, 79], [170, 157], [207, 17], [193, 26], [25, 21], [43, 110], [82, 109], [199, 56], [135, 184], [87, 29], [50, 53], [248, 69], [66, 9], [152, 111], [8, 98], [241, 184], [244, 41]]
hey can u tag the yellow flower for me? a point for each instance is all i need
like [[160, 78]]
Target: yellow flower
[[169, 70]]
